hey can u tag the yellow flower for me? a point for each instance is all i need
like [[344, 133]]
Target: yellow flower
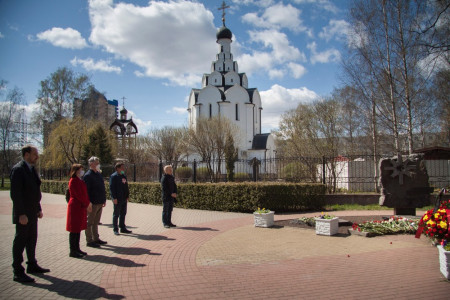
[[425, 217], [431, 222], [443, 225], [437, 215], [441, 210]]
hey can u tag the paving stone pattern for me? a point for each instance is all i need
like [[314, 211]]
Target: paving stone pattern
[[219, 255]]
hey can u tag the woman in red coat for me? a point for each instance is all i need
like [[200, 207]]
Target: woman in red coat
[[77, 209]]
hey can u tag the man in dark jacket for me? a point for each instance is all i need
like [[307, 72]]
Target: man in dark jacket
[[97, 195], [26, 197], [118, 187], [169, 195]]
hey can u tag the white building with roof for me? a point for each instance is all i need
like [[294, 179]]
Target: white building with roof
[[225, 93]]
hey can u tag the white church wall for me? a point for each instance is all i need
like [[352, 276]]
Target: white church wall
[[244, 82], [215, 79], [228, 65], [232, 78]]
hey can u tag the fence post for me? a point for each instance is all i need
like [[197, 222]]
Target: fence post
[[160, 170], [195, 171], [254, 169], [323, 169], [134, 172]]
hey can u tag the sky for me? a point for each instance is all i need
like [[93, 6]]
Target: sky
[[152, 53]]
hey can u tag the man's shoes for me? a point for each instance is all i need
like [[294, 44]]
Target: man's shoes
[[166, 226], [116, 232], [82, 252], [23, 278], [76, 255], [124, 230], [93, 245], [100, 242], [172, 225], [36, 269]]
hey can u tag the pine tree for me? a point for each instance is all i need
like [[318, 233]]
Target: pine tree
[[98, 145]]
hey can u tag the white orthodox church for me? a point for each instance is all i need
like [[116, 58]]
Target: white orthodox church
[[225, 93]]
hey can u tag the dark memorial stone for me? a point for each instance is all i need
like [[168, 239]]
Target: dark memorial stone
[[404, 184]]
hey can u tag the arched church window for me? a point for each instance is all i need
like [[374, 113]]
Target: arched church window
[[210, 110], [237, 112]]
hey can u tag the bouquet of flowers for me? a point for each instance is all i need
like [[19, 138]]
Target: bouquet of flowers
[[395, 225], [435, 224]]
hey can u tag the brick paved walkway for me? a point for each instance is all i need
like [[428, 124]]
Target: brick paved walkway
[[217, 255]]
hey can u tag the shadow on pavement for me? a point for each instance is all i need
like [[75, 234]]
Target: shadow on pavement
[[120, 262], [128, 250], [76, 289], [197, 228], [152, 237]]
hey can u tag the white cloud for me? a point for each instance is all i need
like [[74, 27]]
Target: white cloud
[[261, 3], [277, 16], [273, 62], [142, 125], [330, 55], [336, 29], [65, 38], [297, 70], [177, 110], [1, 35], [276, 73], [325, 4], [161, 38], [279, 43], [279, 99], [90, 65]]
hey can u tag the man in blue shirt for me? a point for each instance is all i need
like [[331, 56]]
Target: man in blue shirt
[[118, 186]]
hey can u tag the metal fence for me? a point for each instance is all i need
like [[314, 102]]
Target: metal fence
[[340, 174]]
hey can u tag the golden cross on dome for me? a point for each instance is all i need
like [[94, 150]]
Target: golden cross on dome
[[222, 8], [123, 101]]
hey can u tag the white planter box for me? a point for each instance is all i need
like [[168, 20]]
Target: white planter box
[[264, 220], [327, 226], [444, 261]]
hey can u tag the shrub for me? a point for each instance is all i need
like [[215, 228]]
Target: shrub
[[237, 197], [240, 177], [202, 174], [295, 172], [183, 173]]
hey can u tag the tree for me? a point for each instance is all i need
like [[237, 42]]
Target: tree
[[231, 156], [441, 91], [315, 130], [10, 118], [99, 143], [208, 139], [168, 144], [388, 48], [65, 146], [57, 93]]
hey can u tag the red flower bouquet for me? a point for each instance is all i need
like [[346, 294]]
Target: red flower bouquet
[[436, 224]]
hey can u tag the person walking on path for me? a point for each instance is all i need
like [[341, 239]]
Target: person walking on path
[[77, 209], [97, 196], [118, 186], [169, 195], [26, 197]]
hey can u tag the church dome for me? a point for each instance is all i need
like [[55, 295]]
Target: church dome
[[224, 33]]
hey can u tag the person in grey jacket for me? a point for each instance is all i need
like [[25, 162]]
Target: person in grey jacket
[[26, 197], [169, 196], [118, 186]]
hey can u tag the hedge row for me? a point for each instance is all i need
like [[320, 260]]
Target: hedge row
[[236, 197]]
